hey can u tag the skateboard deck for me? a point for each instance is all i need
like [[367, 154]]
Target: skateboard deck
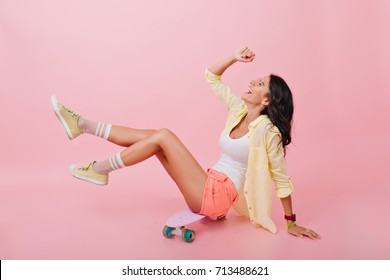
[[184, 217], [176, 224]]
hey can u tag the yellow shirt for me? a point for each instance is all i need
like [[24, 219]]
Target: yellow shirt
[[265, 160]]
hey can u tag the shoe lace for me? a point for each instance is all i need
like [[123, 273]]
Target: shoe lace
[[73, 114], [86, 167]]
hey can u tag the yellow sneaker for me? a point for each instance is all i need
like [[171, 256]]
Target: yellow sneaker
[[67, 118], [86, 173]]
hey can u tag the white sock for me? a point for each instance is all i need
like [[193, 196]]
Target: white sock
[[103, 130], [96, 128], [110, 164]]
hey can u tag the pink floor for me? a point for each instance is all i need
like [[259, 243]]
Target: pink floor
[[63, 218]]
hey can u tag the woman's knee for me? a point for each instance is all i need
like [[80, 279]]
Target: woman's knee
[[163, 134], [151, 132]]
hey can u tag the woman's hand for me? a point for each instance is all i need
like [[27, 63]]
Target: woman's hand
[[244, 55], [301, 232]]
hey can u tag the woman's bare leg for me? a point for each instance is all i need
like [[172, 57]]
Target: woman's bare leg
[[119, 135], [180, 164], [173, 155], [126, 136]]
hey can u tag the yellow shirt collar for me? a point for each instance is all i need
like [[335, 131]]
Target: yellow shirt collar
[[258, 120]]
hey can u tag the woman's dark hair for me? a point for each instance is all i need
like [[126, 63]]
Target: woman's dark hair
[[281, 108]]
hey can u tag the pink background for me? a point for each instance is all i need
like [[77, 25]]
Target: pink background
[[141, 64]]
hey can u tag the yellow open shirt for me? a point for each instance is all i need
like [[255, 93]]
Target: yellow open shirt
[[265, 160]]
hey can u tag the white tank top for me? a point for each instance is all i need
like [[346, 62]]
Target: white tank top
[[234, 159]]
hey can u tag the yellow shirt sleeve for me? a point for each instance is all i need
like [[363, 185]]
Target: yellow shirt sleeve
[[277, 165], [223, 91]]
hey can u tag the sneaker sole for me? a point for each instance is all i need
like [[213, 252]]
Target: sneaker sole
[[54, 104], [84, 178]]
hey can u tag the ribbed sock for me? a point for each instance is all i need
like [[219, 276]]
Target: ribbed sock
[[108, 165], [96, 128]]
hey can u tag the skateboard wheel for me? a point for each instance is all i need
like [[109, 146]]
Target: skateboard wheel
[[168, 232], [188, 235]]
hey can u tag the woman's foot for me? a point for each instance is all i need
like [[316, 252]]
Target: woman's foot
[[68, 118], [87, 173]]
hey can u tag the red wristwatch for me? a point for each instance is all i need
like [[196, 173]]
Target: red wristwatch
[[290, 218]]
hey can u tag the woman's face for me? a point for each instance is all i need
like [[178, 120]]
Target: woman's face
[[258, 92]]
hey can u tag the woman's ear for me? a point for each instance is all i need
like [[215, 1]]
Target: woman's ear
[[266, 101]]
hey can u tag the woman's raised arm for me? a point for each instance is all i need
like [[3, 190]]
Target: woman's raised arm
[[242, 55]]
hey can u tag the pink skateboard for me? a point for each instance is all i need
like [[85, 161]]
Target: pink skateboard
[[176, 225]]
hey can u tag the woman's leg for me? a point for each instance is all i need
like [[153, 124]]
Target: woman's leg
[[126, 136], [173, 155], [179, 163], [119, 135]]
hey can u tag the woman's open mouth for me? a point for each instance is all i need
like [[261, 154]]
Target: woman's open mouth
[[249, 91]]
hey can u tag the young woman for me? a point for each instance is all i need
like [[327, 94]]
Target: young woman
[[253, 145]]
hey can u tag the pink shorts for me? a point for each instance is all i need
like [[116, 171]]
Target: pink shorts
[[219, 194]]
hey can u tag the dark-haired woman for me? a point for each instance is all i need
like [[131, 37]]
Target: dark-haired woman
[[252, 143]]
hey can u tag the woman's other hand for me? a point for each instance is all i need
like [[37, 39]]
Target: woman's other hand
[[299, 231]]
